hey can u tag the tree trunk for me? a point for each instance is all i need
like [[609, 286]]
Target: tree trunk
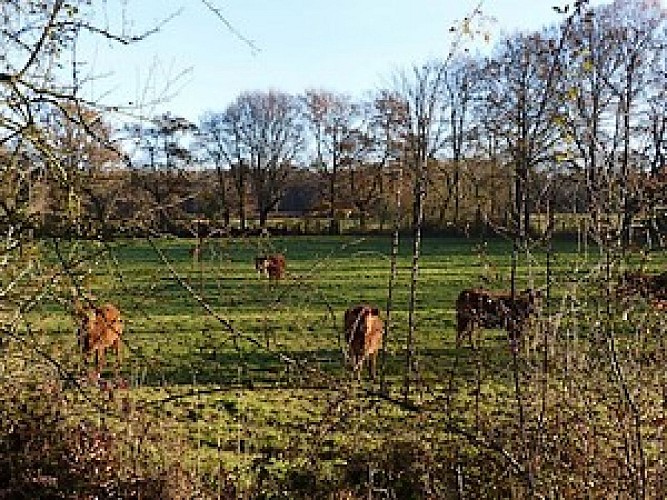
[[333, 223], [334, 227], [263, 216], [241, 185], [363, 220], [222, 193]]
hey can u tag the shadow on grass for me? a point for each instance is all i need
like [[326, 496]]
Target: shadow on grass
[[249, 369], [307, 368]]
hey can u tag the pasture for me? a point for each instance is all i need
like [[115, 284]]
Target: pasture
[[245, 376]]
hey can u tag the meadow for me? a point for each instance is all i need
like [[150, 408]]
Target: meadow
[[255, 320], [245, 377]]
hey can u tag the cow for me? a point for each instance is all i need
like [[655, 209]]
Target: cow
[[271, 266], [648, 286], [652, 287], [99, 328], [479, 307], [363, 336]]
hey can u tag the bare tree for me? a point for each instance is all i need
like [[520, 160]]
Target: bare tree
[[92, 165], [421, 91], [608, 98], [259, 136], [460, 81], [332, 118], [636, 45], [273, 137], [41, 80], [213, 143], [385, 124], [234, 150], [163, 151], [521, 92]]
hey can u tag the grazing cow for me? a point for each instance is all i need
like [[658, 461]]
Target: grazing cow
[[99, 329], [363, 336], [649, 286], [271, 266], [652, 287], [478, 307]]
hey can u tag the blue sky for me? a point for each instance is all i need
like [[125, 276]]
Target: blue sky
[[348, 46]]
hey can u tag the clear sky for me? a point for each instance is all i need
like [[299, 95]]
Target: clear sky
[[348, 46]]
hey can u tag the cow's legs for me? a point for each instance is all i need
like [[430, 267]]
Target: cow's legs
[[461, 327], [117, 349], [464, 327], [370, 361], [101, 358]]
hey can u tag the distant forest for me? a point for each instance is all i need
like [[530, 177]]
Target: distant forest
[[570, 119]]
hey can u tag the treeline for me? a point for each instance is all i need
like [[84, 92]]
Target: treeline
[[568, 119]]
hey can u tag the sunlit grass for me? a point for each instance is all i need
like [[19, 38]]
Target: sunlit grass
[[264, 373]]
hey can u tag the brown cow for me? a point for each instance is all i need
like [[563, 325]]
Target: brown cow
[[271, 266], [478, 307], [649, 286], [652, 287], [363, 336], [99, 329]]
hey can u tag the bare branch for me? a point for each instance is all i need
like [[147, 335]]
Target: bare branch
[[218, 13]]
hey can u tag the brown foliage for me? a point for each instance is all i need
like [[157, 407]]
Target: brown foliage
[[47, 450]]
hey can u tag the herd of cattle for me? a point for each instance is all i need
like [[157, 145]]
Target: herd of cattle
[[100, 328]]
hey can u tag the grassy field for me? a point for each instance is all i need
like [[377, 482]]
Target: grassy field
[[168, 328], [246, 375]]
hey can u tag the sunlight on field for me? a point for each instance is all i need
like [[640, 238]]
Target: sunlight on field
[[245, 376]]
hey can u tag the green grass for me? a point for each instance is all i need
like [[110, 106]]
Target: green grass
[[173, 340], [231, 395], [301, 315]]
